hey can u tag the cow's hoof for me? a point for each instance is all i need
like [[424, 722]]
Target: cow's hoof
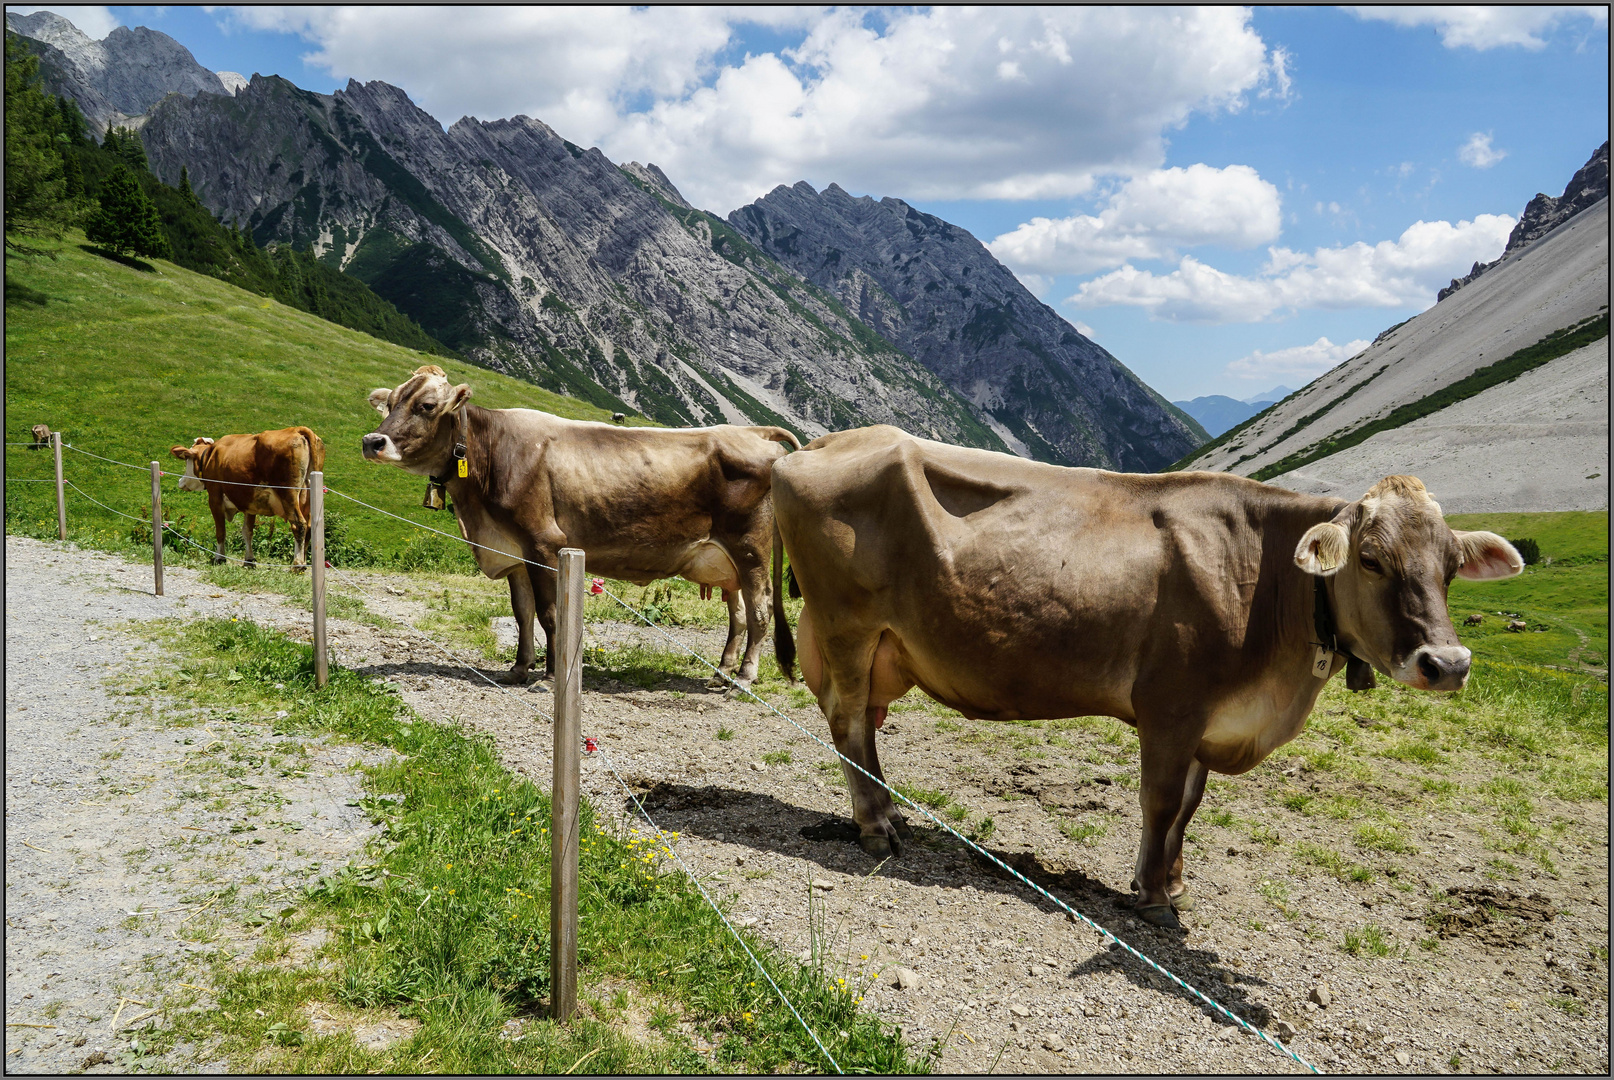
[[1183, 901], [904, 830], [1160, 915], [250, 564], [514, 677], [219, 560], [299, 569], [880, 846]]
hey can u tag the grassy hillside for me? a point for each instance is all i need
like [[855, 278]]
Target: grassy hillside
[[127, 363], [1566, 592]]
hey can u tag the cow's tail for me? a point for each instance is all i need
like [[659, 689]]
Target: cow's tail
[[316, 463], [778, 435], [784, 646]]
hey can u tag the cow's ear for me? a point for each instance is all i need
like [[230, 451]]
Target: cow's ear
[[459, 396], [181, 452], [378, 399], [1323, 549], [1486, 556]]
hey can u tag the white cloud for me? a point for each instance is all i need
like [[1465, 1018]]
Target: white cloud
[[989, 102], [1491, 27], [1303, 362], [96, 22], [1403, 272], [1479, 152], [1083, 329], [1148, 218]]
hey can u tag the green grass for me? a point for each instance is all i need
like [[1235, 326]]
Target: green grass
[[449, 923], [1370, 940], [128, 363], [1567, 595]]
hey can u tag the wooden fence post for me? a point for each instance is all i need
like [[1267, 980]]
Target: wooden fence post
[[563, 826], [61, 490], [316, 529], [157, 525]]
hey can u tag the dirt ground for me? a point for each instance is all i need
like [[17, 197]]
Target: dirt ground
[[1001, 975]]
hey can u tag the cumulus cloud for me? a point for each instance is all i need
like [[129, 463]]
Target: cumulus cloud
[[1403, 272], [1302, 362], [1482, 28], [1149, 217], [96, 22], [1479, 152], [940, 103]]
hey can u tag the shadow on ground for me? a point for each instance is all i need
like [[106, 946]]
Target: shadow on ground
[[933, 857]]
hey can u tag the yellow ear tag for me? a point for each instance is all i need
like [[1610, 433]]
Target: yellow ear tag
[[463, 471]]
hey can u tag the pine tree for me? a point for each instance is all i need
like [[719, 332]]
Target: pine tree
[[185, 184], [73, 176], [126, 220], [35, 188]]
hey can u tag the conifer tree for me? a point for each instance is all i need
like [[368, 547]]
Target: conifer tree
[[125, 219], [34, 185]]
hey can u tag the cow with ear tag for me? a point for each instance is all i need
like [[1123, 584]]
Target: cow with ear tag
[[1204, 609], [642, 504]]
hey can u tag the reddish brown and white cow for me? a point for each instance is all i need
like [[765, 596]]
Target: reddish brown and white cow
[[1189, 605], [642, 503], [255, 475]]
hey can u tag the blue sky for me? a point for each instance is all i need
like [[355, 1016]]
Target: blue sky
[[1224, 198]]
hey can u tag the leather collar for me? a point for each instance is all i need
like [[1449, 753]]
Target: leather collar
[[459, 449], [1358, 672]]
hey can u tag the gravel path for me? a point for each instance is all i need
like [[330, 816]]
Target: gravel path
[[140, 834], [1001, 975]]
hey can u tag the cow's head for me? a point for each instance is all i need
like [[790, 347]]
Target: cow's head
[[1391, 556], [193, 455], [417, 433]]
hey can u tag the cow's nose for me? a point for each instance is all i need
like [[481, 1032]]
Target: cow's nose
[[373, 443], [1445, 668]]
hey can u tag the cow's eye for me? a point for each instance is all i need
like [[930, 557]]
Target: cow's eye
[[1370, 564], [427, 406]]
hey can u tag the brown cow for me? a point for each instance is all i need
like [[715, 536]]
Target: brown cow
[[264, 474], [643, 503], [1185, 604]]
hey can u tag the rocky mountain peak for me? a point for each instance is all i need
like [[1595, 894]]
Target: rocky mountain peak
[[119, 78], [652, 176], [937, 293], [1544, 213]]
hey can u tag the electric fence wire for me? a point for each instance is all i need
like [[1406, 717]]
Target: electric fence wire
[[1075, 915], [650, 821], [1212, 1003], [967, 842]]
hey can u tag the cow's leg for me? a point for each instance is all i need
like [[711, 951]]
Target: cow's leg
[[215, 503], [845, 672], [523, 606], [299, 536], [248, 523], [758, 595], [547, 587], [1166, 760], [731, 648], [1193, 791]]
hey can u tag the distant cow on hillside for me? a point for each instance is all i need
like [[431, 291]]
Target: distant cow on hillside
[[41, 434], [255, 475]]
